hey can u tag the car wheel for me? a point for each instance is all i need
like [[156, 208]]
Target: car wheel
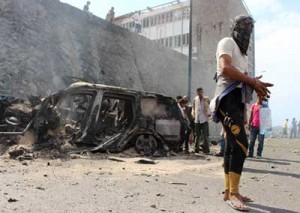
[[146, 144]]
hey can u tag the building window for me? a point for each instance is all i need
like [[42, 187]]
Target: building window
[[179, 40], [171, 16], [186, 13], [177, 15], [175, 41], [163, 20], [158, 20], [183, 39], [188, 39], [167, 17], [162, 41], [171, 41], [151, 22]]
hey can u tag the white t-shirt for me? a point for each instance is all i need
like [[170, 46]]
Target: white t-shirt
[[137, 18], [201, 117], [227, 46]]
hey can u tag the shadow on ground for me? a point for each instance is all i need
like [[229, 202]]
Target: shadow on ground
[[267, 209], [251, 170]]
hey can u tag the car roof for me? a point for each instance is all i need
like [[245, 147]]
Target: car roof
[[86, 85]]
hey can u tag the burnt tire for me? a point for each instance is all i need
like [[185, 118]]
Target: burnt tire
[[146, 145]]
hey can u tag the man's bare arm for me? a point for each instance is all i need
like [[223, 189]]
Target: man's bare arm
[[261, 88]]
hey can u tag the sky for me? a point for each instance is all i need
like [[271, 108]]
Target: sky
[[277, 29]]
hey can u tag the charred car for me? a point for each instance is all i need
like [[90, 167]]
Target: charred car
[[98, 117]]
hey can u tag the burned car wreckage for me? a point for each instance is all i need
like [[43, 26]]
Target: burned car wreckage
[[95, 117]]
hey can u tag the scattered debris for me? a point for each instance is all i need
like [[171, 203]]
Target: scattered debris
[[153, 206], [12, 200], [178, 183], [40, 188], [116, 159], [260, 178], [145, 161], [200, 155], [25, 164], [20, 153], [16, 153]]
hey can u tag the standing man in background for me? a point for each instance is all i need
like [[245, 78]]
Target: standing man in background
[[200, 114], [254, 127], [298, 125], [137, 22], [285, 128], [111, 15], [293, 129], [87, 6]]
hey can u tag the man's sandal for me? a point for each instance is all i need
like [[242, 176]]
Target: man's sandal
[[236, 206], [247, 199]]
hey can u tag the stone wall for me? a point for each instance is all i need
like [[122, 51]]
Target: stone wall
[[45, 45]]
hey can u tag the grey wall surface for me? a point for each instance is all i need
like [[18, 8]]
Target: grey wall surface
[[45, 45]]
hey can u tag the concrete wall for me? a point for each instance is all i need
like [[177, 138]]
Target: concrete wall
[[45, 45]]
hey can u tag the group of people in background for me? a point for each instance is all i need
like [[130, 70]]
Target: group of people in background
[[110, 16], [196, 116], [294, 130]]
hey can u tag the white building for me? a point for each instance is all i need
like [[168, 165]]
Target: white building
[[167, 24]]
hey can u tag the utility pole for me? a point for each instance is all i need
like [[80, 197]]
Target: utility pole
[[190, 51]]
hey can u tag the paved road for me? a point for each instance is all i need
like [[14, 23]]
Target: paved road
[[189, 184]]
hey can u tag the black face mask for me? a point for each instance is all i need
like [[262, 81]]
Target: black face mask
[[241, 32]]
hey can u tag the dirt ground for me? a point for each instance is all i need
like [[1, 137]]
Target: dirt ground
[[93, 183]]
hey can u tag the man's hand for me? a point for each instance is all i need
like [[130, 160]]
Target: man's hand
[[261, 88], [248, 127]]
